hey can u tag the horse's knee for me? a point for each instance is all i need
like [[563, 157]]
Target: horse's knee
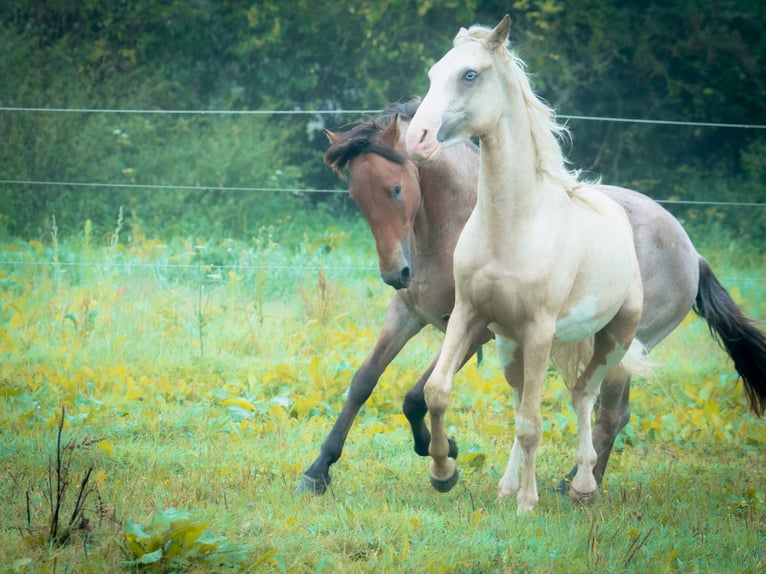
[[437, 400], [529, 432], [414, 405]]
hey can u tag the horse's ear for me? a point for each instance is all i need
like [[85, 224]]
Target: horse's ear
[[390, 137], [460, 37], [499, 35], [333, 137]]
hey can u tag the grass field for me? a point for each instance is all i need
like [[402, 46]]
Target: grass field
[[197, 383]]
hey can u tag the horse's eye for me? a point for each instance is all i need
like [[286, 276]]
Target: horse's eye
[[396, 192], [470, 76]]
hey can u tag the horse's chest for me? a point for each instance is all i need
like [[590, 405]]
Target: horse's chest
[[502, 296]]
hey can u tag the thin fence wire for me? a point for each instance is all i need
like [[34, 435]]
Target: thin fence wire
[[358, 112], [188, 266], [210, 268], [168, 187]]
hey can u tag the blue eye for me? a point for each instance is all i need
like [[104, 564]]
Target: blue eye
[[396, 192], [470, 76]]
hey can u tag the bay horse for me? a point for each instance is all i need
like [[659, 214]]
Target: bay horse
[[543, 259], [416, 212]]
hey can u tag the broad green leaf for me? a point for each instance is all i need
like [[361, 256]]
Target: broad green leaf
[[150, 557]]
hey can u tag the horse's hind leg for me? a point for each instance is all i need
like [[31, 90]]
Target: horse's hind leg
[[610, 346], [583, 486], [612, 415]]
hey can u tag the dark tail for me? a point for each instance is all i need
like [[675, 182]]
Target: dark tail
[[736, 333]]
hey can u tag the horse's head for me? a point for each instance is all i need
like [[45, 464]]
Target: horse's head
[[462, 100], [384, 184]]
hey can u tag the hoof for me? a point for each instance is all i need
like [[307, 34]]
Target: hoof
[[445, 485], [583, 498], [312, 485], [525, 507]]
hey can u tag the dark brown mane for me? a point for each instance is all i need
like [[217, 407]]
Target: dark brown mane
[[363, 137]]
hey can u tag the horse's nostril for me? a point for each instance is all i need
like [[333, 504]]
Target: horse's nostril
[[423, 135], [406, 275]]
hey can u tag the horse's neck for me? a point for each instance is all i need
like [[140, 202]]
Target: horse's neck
[[448, 188], [509, 187]]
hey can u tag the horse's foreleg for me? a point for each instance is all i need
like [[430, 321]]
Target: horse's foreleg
[[316, 479], [511, 361], [462, 330], [400, 326], [415, 408], [535, 350]]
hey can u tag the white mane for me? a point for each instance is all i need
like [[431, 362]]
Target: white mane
[[547, 133]]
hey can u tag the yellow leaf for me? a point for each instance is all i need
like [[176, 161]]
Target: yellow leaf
[[314, 369], [134, 395], [278, 413], [286, 371], [118, 371], [106, 447], [16, 321], [241, 403]]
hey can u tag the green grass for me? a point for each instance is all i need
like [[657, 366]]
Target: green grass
[[209, 389]]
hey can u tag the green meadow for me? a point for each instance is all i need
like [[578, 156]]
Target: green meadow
[[160, 402]]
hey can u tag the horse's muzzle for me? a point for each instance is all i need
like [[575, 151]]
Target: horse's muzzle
[[398, 280]]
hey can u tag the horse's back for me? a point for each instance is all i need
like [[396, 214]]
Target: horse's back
[[668, 262]]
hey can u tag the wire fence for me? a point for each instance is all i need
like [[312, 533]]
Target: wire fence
[[127, 266], [317, 112], [209, 270]]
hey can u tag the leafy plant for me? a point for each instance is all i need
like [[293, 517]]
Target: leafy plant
[[172, 540]]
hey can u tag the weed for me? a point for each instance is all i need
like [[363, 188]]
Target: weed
[[66, 520]]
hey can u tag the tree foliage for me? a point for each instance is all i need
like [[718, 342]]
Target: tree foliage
[[680, 60]]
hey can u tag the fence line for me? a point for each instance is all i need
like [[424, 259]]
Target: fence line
[[358, 112], [189, 266], [167, 186], [304, 190], [239, 267]]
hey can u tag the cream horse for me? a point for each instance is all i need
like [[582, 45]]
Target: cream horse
[[543, 260]]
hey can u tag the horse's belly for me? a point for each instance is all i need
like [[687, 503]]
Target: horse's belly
[[581, 320]]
